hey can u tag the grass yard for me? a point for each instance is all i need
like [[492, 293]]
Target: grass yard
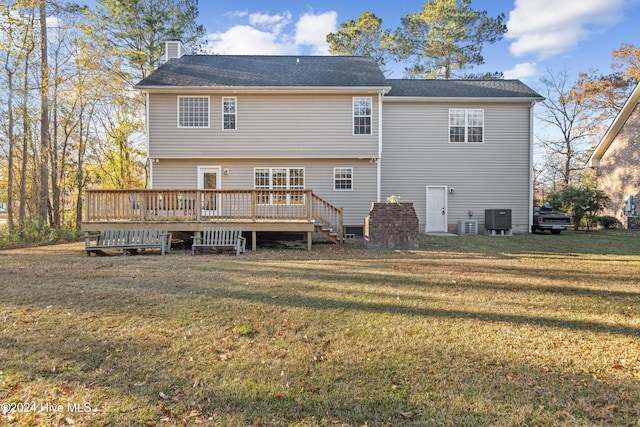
[[529, 330]]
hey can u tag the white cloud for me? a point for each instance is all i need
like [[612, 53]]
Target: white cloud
[[548, 27], [273, 23], [246, 40], [521, 71], [313, 29], [265, 34]]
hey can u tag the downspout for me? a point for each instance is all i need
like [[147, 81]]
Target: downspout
[[531, 175], [149, 160], [379, 162]]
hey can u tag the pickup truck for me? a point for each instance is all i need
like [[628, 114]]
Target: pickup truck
[[545, 218]]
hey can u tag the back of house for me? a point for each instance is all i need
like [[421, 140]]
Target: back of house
[[337, 126]]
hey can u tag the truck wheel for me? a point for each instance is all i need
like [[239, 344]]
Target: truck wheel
[[555, 231]]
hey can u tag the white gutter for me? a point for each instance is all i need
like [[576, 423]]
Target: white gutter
[[379, 162], [449, 99], [266, 89], [146, 112], [531, 175]]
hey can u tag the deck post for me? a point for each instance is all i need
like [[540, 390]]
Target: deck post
[[198, 205], [309, 203], [142, 204], [254, 243], [309, 240], [254, 203]]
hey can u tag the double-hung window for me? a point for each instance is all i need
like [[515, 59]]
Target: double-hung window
[[229, 113], [466, 125], [193, 111], [362, 116], [279, 179], [343, 179]]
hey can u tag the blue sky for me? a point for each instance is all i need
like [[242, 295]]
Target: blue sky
[[578, 35]]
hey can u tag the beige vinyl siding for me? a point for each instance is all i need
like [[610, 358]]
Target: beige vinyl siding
[[491, 175], [183, 174], [268, 126]]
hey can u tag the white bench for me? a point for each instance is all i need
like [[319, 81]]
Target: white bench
[[219, 238], [129, 239]]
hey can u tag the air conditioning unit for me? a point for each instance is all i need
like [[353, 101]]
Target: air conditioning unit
[[468, 227], [497, 219]]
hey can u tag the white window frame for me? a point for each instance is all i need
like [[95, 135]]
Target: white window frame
[[272, 171], [469, 115], [234, 114], [357, 115], [349, 179], [190, 119]]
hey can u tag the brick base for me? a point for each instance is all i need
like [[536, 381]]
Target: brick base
[[392, 226]]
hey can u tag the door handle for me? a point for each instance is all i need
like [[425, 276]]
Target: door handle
[[442, 211]]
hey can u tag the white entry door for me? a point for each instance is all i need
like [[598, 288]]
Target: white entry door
[[209, 179], [436, 209]]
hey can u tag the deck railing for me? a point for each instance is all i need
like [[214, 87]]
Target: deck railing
[[211, 206]]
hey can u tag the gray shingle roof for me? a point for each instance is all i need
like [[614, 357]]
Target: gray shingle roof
[[267, 71], [461, 89]]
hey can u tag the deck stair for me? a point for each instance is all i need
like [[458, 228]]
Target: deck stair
[[328, 219]]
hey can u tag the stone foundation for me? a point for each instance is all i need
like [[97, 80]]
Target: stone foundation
[[392, 226]]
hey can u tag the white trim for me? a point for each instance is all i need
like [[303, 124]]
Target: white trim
[[263, 89], [207, 97], [531, 189], [353, 115], [204, 169], [466, 125], [235, 105], [379, 160], [459, 99], [615, 127], [334, 178]]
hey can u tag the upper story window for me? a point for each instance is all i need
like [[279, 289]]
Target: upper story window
[[362, 116], [342, 179], [466, 125], [193, 111], [229, 113]]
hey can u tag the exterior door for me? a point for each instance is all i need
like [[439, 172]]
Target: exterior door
[[436, 209], [209, 179]]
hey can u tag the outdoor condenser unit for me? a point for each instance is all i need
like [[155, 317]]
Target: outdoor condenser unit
[[468, 227], [497, 219]]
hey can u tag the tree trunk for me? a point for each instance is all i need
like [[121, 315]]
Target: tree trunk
[[22, 213], [10, 177], [45, 136]]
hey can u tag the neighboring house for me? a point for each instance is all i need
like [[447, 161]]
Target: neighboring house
[[617, 160], [337, 126]]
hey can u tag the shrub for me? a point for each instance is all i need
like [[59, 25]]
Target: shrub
[[35, 233], [607, 221]]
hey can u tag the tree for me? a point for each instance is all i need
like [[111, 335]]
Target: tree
[[363, 37], [627, 59], [571, 123], [582, 203], [136, 30], [446, 36]]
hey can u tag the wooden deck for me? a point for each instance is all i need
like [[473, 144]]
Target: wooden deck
[[192, 210]]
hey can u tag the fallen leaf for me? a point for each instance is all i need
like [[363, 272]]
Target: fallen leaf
[[617, 366], [150, 424], [406, 415], [163, 396]]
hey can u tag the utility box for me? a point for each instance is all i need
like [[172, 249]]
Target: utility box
[[497, 219]]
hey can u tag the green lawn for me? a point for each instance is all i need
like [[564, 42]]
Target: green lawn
[[468, 331]]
